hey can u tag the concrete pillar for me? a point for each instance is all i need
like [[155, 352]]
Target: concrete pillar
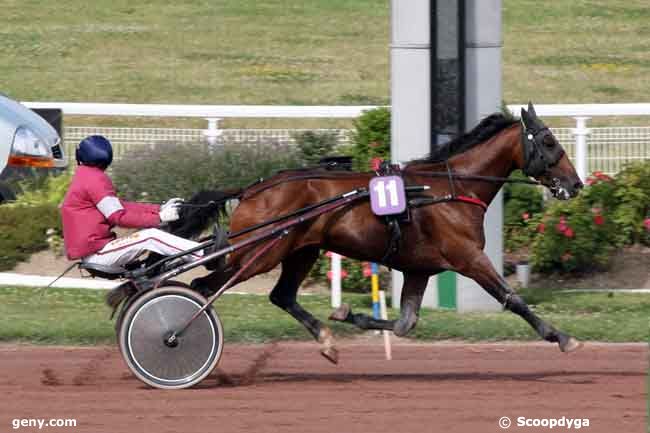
[[410, 97], [483, 96], [411, 112]]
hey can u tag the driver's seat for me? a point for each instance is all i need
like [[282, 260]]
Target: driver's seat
[[103, 271]]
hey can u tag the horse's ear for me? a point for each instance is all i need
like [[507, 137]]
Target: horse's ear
[[525, 117], [531, 110]]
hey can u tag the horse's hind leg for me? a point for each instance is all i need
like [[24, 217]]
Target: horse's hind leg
[[481, 270], [412, 292], [294, 270]]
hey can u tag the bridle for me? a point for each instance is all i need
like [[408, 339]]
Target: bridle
[[539, 157]]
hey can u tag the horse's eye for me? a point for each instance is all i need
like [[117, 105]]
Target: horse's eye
[[548, 141]]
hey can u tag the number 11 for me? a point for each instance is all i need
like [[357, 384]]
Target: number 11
[[380, 188]]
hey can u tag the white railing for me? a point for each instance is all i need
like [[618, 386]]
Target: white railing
[[605, 149], [212, 113], [124, 139]]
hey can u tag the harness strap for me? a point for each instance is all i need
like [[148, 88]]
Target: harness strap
[[472, 200]]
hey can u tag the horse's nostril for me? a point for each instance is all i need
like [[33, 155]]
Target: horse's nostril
[[578, 185]]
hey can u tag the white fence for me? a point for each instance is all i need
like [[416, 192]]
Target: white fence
[[605, 148], [124, 139]]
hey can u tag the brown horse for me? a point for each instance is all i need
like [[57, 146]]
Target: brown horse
[[443, 236]]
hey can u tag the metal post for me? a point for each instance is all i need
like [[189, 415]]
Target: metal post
[[580, 132], [213, 132]]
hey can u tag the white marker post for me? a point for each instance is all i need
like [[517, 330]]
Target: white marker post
[[384, 316], [336, 280]]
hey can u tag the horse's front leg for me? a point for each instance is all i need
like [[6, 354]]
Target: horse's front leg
[[480, 269], [412, 292]]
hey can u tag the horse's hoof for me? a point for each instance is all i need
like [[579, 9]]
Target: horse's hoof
[[331, 354], [327, 340], [341, 313], [570, 344]]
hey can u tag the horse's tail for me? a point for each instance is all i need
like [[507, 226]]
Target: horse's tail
[[200, 210]]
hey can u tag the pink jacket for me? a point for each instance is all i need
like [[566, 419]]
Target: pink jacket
[[91, 209]]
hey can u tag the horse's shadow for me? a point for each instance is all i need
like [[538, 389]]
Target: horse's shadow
[[219, 379]]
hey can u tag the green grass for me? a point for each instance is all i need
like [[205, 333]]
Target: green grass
[[69, 316], [218, 52], [585, 51], [294, 52]]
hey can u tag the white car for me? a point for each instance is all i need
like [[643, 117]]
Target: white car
[[28, 144]]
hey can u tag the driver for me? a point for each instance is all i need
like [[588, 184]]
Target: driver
[[91, 209]]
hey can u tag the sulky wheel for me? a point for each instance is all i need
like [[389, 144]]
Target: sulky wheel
[[126, 304], [144, 332]]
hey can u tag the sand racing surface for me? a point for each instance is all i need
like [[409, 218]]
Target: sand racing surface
[[289, 387]]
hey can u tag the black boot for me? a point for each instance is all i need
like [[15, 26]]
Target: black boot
[[220, 241]]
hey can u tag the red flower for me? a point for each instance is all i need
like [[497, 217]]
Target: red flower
[[599, 220], [328, 254], [600, 175], [329, 275], [646, 223], [344, 273], [375, 163], [562, 219], [561, 227], [568, 232], [525, 216], [541, 228], [367, 271]]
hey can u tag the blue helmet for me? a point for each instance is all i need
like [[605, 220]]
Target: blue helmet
[[95, 150]]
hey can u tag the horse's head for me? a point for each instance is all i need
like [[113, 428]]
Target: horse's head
[[544, 157]]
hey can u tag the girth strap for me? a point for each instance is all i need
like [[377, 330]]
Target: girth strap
[[395, 236]]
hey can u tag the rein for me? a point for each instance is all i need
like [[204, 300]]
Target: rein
[[476, 177], [426, 201], [339, 175], [197, 206], [417, 202]]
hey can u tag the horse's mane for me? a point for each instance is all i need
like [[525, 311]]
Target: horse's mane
[[486, 129]]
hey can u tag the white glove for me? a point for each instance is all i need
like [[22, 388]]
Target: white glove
[[169, 210]]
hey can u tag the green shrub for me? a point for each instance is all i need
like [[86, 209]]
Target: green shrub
[[32, 222], [522, 205], [23, 231], [180, 170], [574, 236], [43, 190], [371, 137], [632, 196], [314, 145], [580, 234]]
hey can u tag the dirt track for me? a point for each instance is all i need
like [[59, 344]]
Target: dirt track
[[288, 387]]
